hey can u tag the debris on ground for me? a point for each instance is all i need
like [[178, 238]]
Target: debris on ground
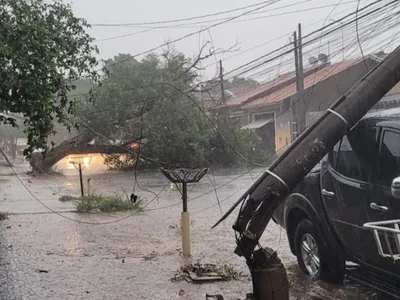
[[3, 216], [42, 271], [203, 273], [214, 297], [150, 256]]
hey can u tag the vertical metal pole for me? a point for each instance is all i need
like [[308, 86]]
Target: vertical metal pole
[[294, 109], [302, 107], [81, 178], [184, 196]]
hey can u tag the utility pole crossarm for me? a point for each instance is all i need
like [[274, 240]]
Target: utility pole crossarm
[[303, 154]]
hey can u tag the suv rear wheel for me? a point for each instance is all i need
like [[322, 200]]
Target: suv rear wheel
[[313, 258]]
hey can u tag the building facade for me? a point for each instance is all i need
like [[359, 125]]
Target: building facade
[[269, 109]]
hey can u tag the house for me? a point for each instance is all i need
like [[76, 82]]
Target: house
[[268, 109]]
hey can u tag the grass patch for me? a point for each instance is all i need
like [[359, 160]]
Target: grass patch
[[106, 203], [65, 198]]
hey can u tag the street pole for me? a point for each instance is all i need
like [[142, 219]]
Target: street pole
[[294, 108], [184, 176], [81, 178], [302, 106]]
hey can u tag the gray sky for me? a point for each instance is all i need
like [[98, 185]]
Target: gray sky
[[248, 33]]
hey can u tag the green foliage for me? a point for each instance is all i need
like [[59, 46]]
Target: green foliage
[[106, 204], [44, 48], [232, 146], [118, 162], [155, 99]]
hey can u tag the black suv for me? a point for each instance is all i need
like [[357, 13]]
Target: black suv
[[325, 215]]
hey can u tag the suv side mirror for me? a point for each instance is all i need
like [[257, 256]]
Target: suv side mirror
[[396, 187]]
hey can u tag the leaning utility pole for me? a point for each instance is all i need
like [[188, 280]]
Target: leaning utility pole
[[269, 191]]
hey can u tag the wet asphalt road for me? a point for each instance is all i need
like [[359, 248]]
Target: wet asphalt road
[[66, 255]]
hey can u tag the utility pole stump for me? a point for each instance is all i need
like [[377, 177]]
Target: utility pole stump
[[184, 176], [268, 275]]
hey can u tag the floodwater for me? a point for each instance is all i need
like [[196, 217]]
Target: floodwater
[[47, 251]]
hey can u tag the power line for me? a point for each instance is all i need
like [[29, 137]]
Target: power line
[[191, 25], [304, 44], [247, 70], [276, 50], [179, 20], [272, 40], [270, 2], [319, 30]]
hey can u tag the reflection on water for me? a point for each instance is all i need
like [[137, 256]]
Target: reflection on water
[[92, 163], [73, 249], [72, 161]]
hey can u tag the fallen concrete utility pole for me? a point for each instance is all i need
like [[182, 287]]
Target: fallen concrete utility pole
[[262, 199]]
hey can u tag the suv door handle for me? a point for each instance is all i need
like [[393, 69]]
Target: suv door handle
[[375, 206], [328, 193]]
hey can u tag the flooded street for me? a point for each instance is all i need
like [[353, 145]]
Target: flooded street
[[50, 252]]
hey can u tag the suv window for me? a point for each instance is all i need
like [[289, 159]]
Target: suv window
[[355, 155], [348, 163], [333, 155], [389, 158]]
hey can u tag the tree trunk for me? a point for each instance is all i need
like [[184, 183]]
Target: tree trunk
[[42, 162]]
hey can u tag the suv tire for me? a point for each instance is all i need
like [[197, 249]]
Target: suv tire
[[313, 257]]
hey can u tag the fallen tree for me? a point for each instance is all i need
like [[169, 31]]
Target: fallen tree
[[42, 162]]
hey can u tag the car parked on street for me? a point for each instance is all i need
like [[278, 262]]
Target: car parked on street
[[356, 183]]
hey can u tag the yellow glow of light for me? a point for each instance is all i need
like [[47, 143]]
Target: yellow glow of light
[[76, 160], [86, 161]]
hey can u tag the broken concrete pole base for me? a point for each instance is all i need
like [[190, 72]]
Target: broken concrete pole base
[[269, 276]]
